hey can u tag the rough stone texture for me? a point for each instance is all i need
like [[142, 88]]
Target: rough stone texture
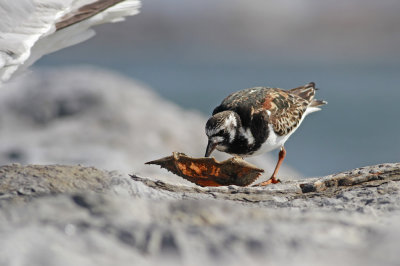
[[74, 215], [27, 181]]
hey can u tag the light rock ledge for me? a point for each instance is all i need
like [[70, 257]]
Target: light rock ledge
[[75, 215]]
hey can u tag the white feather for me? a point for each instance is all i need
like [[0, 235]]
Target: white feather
[[230, 121], [310, 110], [27, 29], [247, 135], [275, 141]]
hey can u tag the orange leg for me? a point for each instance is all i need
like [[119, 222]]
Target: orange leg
[[273, 180]]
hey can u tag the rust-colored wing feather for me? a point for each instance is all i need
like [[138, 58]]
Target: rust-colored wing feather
[[286, 110]]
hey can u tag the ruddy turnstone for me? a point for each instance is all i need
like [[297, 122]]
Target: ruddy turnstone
[[258, 120]]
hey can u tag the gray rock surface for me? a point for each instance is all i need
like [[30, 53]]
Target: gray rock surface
[[94, 117], [75, 215]]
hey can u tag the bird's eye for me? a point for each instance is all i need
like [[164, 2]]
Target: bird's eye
[[220, 133]]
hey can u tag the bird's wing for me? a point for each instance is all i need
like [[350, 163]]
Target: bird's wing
[[284, 109], [280, 108], [30, 29], [244, 103]]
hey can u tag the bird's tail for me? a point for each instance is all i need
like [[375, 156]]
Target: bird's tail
[[314, 106], [306, 92], [316, 103]]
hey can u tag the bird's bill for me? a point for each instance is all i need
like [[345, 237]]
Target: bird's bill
[[210, 148]]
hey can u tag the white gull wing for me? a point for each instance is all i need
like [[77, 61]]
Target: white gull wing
[[30, 29]]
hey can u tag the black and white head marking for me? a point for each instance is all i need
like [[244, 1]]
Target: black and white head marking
[[222, 126], [221, 130], [247, 135]]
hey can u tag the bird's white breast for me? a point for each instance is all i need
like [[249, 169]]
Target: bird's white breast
[[275, 141]]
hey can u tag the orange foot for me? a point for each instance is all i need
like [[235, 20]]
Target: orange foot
[[272, 180]]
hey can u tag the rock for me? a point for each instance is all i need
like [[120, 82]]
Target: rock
[[74, 215]]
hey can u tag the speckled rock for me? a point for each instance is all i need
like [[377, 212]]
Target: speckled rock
[[74, 215]]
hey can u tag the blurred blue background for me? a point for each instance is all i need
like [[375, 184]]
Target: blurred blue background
[[195, 53]]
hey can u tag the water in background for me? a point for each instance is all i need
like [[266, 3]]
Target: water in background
[[195, 53], [360, 125]]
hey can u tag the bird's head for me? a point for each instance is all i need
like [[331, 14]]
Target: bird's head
[[221, 130]]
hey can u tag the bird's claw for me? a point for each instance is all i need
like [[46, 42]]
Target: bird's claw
[[272, 180]]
